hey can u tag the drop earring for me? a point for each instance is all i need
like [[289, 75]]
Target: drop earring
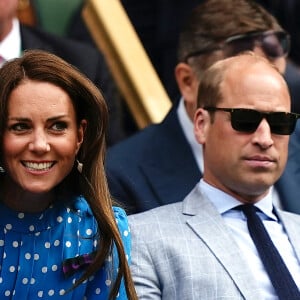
[[79, 166]]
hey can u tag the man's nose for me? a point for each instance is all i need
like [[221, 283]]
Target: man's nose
[[263, 135]]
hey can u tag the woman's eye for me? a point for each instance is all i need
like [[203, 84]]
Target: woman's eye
[[59, 126], [19, 127]]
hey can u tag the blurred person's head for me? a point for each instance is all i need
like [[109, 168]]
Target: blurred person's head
[[8, 10], [217, 29]]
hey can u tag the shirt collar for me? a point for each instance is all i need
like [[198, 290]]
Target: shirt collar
[[188, 130], [10, 47], [224, 202]]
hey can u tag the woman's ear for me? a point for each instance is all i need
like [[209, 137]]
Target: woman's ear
[[201, 125], [80, 135]]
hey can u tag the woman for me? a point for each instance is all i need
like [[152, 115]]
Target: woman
[[60, 235]]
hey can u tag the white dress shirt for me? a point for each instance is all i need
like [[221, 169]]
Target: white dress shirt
[[237, 223], [188, 130], [10, 47]]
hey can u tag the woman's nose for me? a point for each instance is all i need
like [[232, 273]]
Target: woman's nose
[[39, 143]]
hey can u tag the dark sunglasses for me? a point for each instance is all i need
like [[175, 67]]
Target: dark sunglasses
[[247, 120], [274, 44]]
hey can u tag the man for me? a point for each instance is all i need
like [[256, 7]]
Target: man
[[16, 37], [162, 163], [201, 248]]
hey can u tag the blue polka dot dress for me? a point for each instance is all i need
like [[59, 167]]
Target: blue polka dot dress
[[33, 248]]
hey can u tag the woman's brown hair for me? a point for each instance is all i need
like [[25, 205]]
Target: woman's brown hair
[[90, 105]]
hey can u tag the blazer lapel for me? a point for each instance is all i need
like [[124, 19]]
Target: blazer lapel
[[208, 224]]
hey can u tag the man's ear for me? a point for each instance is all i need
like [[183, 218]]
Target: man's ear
[[187, 82], [201, 125]]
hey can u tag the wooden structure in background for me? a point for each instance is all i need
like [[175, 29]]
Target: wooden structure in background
[[131, 67], [26, 12]]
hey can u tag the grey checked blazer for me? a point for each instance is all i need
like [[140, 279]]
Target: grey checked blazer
[[184, 251]]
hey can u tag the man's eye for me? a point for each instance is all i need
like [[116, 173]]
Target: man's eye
[[59, 126]]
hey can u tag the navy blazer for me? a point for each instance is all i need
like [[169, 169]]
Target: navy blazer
[[89, 61], [156, 166]]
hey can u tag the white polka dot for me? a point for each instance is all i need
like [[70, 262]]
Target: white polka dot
[[7, 293], [54, 268], [98, 291], [70, 220], [89, 231], [36, 256], [20, 215], [12, 269], [68, 210], [62, 292], [40, 294], [1, 243], [59, 219], [4, 254], [37, 233], [68, 244], [47, 245], [108, 282], [56, 243], [44, 269], [25, 280], [15, 244], [1, 279], [27, 255], [8, 226], [31, 228], [32, 281], [125, 233], [51, 292]]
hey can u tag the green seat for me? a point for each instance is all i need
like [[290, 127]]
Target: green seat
[[54, 15]]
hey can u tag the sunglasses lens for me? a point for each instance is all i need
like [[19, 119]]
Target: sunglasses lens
[[245, 120], [282, 123], [248, 120], [275, 44], [239, 45]]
